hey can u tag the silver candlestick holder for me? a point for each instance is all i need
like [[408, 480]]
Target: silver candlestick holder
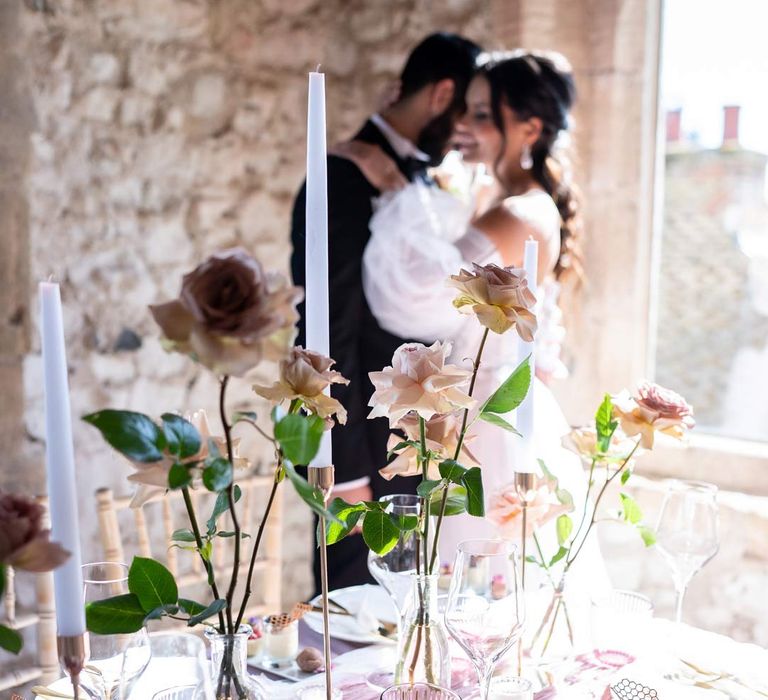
[[525, 488], [323, 478]]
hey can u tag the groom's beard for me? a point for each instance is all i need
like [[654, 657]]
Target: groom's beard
[[435, 137]]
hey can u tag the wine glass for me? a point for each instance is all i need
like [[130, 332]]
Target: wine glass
[[115, 660], [687, 532], [393, 570], [179, 665], [485, 609]]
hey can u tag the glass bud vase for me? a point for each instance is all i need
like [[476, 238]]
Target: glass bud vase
[[229, 666], [552, 626], [423, 655]]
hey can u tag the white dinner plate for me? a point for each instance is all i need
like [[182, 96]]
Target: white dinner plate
[[377, 603]]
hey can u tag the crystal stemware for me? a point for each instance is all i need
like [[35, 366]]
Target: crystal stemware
[[179, 665], [485, 610], [115, 661], [687, 532]]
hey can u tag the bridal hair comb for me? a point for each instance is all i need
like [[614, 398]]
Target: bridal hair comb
[[630, 690]]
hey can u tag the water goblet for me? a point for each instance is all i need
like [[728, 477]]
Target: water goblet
[[485, 609], [115, 661], [687, 532], [179, 666]]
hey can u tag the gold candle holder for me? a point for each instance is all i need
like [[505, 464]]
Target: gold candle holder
[[323, 479], [525, 487], [72, 655]]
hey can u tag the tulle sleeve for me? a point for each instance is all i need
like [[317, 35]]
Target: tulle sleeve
[[419, 237]]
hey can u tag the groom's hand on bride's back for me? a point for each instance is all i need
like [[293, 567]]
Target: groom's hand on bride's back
[[377, 167]]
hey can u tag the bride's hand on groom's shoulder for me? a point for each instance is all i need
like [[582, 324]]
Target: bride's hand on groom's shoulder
[[377, 167]]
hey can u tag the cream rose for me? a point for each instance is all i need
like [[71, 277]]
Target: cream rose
[[419, 380], [653, 408], [498, 296], [304, 375]]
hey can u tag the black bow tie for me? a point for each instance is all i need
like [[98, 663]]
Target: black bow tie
[[414, 168]]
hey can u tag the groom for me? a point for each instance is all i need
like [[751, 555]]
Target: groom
[[414, 132]]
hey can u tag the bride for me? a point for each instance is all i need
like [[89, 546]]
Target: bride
[[515, 125]]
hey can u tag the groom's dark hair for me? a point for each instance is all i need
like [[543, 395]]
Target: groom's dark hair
[[440, 56]]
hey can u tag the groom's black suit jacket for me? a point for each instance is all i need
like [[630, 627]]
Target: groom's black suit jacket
[[358, 344]]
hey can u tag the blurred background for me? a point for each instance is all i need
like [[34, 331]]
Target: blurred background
[[138, 136]]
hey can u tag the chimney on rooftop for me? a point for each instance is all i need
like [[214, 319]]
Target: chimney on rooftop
[[731, 125], [674, 120]]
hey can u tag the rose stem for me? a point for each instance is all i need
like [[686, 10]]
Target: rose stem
[[231, 501], [199, 541], [460, 442], [570, 559], [586, 505]]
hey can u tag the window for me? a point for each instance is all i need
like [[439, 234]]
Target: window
[[712, 293]]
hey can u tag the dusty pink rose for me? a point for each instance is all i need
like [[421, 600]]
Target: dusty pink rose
[[304, 375], [419, 380], [506, 510], [23, 542], [653, 408], [230, 314], [152, 477], [498, 296], [442, 433]]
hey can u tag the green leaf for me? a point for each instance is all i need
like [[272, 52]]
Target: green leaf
[[217, 474], [213, 609], [231, 533], [631, 511], [563, 496], [427, 486], [157, 613], [473, 482], [183, 535], [309, 494], [221, 505], [122, 614], [401, 446], [604, 424], [299, 437], [625, 476], [405, 523], [451, 471], [191, 607], [558, 556], [181, 436], [151, 583], [648, 535], [456, 504], [347, 517], [10, 640], [495, 419], [512, 392], [531, 559], [239, 416], [179, 476], [564, 527], [379, 532], [132, 434]]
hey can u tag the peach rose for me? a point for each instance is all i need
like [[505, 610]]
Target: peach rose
[[506, 510], [420, 381], [583, 441], [304, 375], [23, 542], [152, 477], [230, 314], [653, 408], [498, 296], [442, 433]]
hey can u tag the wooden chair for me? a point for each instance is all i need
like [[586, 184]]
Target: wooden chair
[[153, 539], [46, 670]]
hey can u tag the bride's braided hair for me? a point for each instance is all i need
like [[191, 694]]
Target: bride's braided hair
[[541, 85]]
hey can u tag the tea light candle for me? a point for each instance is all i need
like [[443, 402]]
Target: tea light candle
[[281, 642]]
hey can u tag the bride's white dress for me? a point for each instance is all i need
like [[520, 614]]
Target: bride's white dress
[[419, 237]]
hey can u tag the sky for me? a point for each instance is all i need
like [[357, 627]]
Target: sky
[[715, 53]]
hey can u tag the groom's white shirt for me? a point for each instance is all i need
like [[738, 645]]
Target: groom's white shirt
[[405, 148]]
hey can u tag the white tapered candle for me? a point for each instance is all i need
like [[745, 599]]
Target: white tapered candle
[[60, 465]]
